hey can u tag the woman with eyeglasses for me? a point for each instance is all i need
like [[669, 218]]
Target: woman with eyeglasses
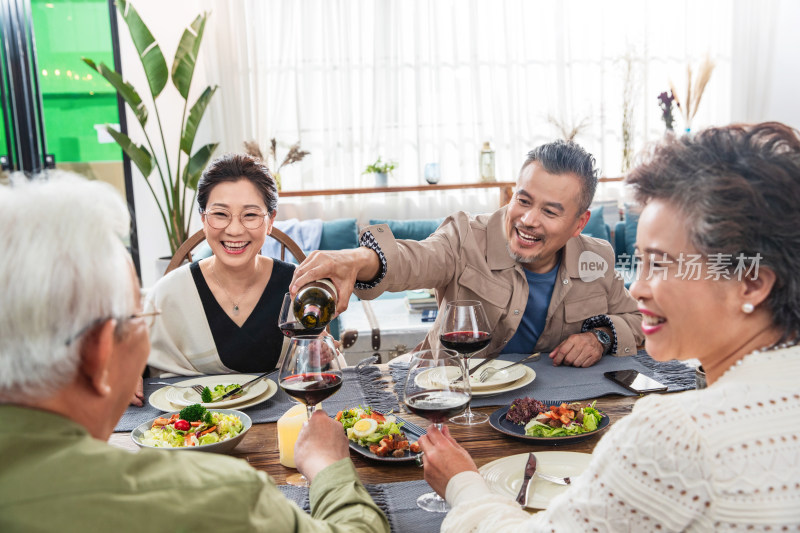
[[220, 314]]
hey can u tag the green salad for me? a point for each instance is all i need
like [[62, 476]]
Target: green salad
[[193, 426], [564, 420], [380, 433]]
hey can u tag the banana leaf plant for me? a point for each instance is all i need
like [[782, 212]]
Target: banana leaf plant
[[172, 205]]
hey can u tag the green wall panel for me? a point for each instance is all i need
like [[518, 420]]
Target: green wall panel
[[75, 98]]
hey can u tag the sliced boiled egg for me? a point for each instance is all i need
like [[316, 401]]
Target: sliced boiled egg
[[365, 427]]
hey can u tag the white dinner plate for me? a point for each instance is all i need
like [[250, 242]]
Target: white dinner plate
[[499, 379], [430, 378], [504, 476], [186, 397], [159, 398]]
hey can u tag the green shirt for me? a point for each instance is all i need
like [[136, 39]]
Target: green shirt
[[55, 477]]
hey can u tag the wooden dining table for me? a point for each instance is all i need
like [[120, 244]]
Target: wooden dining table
[[484, 443]]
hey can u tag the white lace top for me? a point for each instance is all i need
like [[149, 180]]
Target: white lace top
[[726, 458]]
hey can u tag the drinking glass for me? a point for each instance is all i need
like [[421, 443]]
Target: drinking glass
[[437, 387], [309, 373], [465, 329], [288, 323]]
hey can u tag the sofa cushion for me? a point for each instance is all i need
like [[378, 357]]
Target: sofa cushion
[[416, 230], [631, 223], [339, 234], [596, 227]]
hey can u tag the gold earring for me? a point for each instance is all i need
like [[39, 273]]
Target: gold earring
[[748, 308]]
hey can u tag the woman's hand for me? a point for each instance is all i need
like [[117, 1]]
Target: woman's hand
[[138, 395], [443, 458]]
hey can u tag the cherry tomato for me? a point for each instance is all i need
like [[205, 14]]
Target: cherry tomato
[[182, 425]]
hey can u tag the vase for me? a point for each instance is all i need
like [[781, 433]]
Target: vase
[[381, 179], [432, 173]]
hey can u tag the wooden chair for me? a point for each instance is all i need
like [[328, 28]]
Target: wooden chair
[[184, 252]]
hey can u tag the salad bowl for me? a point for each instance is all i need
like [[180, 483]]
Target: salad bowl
[[225, 446]]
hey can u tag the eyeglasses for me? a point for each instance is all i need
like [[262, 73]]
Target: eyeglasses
[[148, 315], [221, 218]]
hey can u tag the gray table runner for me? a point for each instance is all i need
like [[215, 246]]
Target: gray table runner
[[556, 384], [362, 385], [397, 500]]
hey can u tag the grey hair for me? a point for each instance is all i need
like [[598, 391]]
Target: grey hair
[[567, 157], [63, 267], [739, 188]]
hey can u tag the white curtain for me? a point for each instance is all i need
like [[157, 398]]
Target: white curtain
[[754, 25], [419, 81]]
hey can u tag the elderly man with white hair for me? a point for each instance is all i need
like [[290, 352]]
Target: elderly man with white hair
[[73, 342]]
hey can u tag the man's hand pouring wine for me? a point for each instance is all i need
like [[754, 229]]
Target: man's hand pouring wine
[[342, 267]]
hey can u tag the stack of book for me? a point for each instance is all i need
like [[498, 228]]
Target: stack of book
[[421, 300]]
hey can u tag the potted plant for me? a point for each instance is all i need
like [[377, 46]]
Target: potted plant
[[174, 181], [381, 171]]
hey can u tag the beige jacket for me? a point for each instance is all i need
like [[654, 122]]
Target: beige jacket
[[466, 258]]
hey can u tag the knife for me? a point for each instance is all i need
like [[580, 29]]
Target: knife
[[239, 390], [530, 470], [475, 369]]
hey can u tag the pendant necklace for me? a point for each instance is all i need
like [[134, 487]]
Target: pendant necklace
[[234, 302]]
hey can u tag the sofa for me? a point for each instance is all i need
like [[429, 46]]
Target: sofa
[[625, 244]]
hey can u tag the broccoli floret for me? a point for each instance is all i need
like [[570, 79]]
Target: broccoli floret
[[208, 419], [206, 395], [193, 413], [231, 387]]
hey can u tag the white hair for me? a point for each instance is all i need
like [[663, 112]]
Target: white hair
[[63, 268]]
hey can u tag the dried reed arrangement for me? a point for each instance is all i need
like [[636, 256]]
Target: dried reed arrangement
[[294, 155], [628, 101], [693, 93], [571, 130]]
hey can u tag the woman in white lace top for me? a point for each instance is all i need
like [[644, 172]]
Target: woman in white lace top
[[725, 458]]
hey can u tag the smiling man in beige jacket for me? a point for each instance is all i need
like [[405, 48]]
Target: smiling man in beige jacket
[[544, 286]]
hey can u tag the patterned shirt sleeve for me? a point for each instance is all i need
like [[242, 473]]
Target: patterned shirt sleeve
[[368, 240], [601, 321]]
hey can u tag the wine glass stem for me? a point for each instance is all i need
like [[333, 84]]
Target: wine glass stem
[[309, 410], [468, 411]]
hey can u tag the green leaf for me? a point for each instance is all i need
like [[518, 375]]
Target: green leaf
[[186, 55], [197, 163], [155, 67], [124, 89], [195, 116], [138, 154]]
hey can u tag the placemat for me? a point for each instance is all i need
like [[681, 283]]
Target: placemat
[[362, 385], [397, 500], [556, 384]]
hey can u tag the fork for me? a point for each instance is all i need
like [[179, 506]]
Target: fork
[[488, 372], [197, 388], [554, 479]]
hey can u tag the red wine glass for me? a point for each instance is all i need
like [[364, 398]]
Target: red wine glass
[[288, 323], [437, 387], [465, 329], [309, 372]]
